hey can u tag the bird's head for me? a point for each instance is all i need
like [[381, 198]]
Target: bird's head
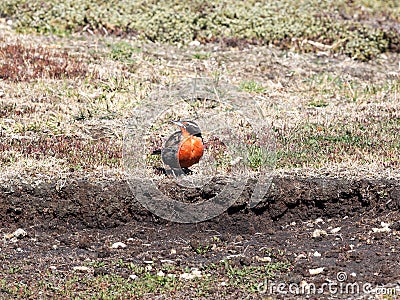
[[188, 128]]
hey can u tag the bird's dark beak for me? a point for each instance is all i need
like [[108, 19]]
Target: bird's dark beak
[[179, 123]]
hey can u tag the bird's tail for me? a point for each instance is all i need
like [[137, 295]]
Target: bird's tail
[[156, 152]]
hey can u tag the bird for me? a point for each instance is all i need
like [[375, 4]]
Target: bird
[[183, 149]]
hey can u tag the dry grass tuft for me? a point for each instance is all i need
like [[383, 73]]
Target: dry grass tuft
[[75, 152], [20, 63]]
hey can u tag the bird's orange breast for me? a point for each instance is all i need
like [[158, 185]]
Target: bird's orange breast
[[190, 151]]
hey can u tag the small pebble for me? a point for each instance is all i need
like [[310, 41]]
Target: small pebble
[[194, 44], [118, 245], [317, 254], [263, 259], [133, 277], [336, 230], [17, 234], [381, 230], [316, 271], [148, 268], [300, 256], [187, 276], [318, 232], [20, 233], [81, 269], [196, 272], [166, 261]]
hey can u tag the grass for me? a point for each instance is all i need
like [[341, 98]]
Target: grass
[[252, 87], [65, 101], [318, 103], [27, 63], [201, 56], [76, 120], [258, 157], [71, 151], [314, 145], [147, 283]]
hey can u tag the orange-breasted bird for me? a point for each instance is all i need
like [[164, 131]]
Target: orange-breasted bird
[[183, 148]]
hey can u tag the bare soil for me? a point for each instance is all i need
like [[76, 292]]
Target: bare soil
[[79, 221]]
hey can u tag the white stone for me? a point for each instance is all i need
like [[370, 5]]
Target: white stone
[[318, 232], [300, 256], [263, 259], [20, 233], [194, 43], [317, 254], [118, 245], [166, 261], [336, 230], [187, 276], [380, 230], [81, 269], [316, 271], [196, 272]]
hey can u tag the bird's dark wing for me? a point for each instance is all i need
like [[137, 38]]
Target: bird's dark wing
[[169, 154], [173, 140]]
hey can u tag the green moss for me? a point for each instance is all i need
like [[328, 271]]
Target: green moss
[[123, 52], [252, 86], [318, 103], [348, 26]]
